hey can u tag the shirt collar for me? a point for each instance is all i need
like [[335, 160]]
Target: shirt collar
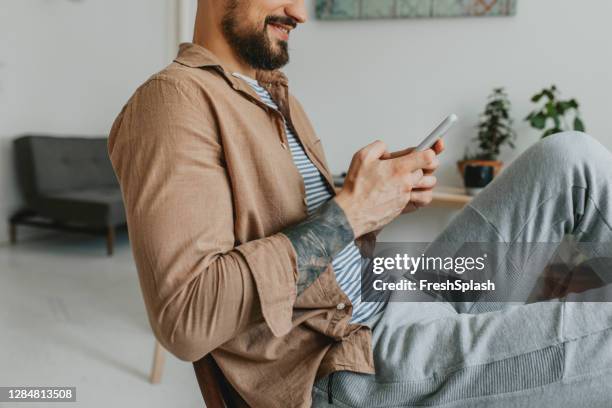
[[196, 56]]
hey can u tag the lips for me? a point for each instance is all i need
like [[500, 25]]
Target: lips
[[281, 30]]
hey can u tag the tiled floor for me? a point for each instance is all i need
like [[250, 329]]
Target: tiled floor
[[71, 316]]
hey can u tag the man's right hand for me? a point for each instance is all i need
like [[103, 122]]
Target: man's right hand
[[376, 190]]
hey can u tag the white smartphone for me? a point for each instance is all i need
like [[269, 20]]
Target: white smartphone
[[437, 133]]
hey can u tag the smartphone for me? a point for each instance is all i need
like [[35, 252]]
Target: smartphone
[[437, 133]]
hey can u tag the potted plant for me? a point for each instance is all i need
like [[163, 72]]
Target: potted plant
[[494, 131], [555, 115]]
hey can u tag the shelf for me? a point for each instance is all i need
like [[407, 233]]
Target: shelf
[[453, 197]]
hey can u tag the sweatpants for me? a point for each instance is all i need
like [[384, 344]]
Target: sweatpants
[[555, 353]]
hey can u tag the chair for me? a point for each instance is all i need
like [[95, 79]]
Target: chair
[[68, 183], [216, 390], [159, 360]]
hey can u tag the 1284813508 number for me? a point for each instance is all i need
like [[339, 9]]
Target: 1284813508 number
[[33, 394]]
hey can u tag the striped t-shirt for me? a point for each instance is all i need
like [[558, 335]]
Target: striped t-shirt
[[347, 263]]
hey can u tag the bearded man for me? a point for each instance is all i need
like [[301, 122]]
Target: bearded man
[[246, 253]]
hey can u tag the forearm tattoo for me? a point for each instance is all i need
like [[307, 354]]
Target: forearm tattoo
[[317, 240]]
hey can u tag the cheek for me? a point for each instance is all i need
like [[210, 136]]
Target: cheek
[[272, 5], [267, 8], [261, 9]]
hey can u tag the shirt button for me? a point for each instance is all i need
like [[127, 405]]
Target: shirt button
[[340, 306]]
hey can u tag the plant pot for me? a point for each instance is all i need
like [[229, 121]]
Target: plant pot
[[477, 174], [496, 164]]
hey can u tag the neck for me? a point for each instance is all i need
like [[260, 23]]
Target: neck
[[209, 34]]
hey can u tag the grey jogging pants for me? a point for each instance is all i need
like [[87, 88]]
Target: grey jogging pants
[[556, 353]]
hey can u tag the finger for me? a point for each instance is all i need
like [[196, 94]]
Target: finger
[[426, 182], [421, 198], [433, 166], [373, 151], [416, 160], [439, 146], [413, 179], [410, 207], [430, 171], [399, 153]]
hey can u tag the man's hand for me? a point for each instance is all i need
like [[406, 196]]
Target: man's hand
[[380, 185], [423, 194]]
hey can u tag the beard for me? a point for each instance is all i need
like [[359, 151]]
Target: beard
[[253, 45]]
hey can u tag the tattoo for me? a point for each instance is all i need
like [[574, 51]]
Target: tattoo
[[317, 240]]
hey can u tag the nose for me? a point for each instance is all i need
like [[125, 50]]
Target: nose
[[297, 10]]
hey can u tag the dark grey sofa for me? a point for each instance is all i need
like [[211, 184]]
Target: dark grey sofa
[[67, 183]]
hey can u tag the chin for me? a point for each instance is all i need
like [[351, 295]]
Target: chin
[[276, 42]]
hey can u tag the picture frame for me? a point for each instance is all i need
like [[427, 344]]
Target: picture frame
[[375, 9]]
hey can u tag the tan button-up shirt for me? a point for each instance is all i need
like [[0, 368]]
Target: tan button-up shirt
[[208, 184]]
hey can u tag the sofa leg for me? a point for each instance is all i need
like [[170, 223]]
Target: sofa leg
[[110, 240], [13, 233]]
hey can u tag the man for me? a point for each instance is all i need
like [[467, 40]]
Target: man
[[244, 250]]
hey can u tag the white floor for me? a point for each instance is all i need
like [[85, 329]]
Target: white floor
[[71, 316]]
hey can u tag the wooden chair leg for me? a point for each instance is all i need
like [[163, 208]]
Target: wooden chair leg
[[159, 359], [13, 233], [110, 240]]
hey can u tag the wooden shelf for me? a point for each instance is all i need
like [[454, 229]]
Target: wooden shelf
[[452, 197]]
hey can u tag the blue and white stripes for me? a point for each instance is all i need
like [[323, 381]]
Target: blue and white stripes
[[347, 264]]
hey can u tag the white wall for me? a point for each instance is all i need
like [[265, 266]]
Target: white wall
[[68, 66], [393, 80]]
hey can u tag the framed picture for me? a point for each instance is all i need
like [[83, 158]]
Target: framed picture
[[370, 9]]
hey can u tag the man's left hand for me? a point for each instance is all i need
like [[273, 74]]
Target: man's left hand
[[422, 194]]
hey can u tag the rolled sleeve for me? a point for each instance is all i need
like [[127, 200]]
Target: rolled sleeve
[[200, 289], [276, 288]]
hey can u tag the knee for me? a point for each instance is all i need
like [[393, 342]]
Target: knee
[[568, 147]]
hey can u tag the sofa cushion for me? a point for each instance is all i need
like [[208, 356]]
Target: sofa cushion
[[93, 206]]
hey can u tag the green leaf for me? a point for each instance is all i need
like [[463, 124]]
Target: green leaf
[[550, 93], [579, 125], [538, 121], [536, 98]]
